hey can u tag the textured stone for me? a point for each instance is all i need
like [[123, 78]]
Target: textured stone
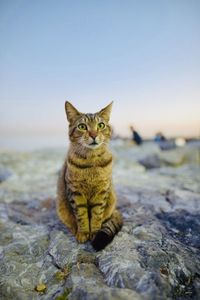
[[4, 174], [155, 256], [151, 161], [88, 284]]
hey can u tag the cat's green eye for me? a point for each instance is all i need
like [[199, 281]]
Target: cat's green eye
[[101, 125], [82, 126]]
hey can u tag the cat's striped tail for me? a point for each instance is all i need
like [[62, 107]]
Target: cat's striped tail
[[108, 230]]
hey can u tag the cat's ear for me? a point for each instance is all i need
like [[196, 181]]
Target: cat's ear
[[105, 112], [71, 112]]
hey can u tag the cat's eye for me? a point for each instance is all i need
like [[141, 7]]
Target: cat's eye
[[101, 125], [82, 126]]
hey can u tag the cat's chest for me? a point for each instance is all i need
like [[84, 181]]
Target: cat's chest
[[90, 175]]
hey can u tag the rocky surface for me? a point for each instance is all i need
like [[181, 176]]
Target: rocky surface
[[155, 256]]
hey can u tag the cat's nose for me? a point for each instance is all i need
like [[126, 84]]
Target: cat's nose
[[93, 134]]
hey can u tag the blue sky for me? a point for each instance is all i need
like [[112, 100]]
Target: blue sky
[[144, 55]]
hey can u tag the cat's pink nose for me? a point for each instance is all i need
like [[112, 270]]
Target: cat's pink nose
[[93, 134]]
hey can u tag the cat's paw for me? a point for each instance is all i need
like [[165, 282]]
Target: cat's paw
[[82, 237]]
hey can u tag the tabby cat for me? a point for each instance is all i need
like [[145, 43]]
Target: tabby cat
[[85, 196]]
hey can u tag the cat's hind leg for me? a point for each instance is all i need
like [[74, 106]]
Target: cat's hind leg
[[65, 215], [63, 208]]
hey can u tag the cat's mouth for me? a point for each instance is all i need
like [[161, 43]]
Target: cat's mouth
[[94, 143]]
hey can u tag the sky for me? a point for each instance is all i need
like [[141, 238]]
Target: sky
[[143, 55]]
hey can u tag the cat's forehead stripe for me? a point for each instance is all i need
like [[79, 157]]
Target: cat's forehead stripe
[[90, 117], [84, 119]]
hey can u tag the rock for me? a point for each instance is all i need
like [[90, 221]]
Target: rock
[[156, 255], [166, 145], [4, 174], [153, 256], [173, 157], [87, 283], [151, 161]]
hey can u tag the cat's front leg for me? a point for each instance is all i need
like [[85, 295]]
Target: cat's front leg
[[81, 215], [102, 208], [97, 212]]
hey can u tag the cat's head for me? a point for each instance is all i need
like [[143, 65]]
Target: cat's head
[[89, 130]]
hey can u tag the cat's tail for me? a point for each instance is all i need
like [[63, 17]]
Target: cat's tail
[[108, 230]]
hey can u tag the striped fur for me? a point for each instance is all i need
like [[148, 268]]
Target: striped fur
[[86, 199]]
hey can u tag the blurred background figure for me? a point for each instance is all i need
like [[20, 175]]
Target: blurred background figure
[[159, 137], [136, 136], [163, 142]]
